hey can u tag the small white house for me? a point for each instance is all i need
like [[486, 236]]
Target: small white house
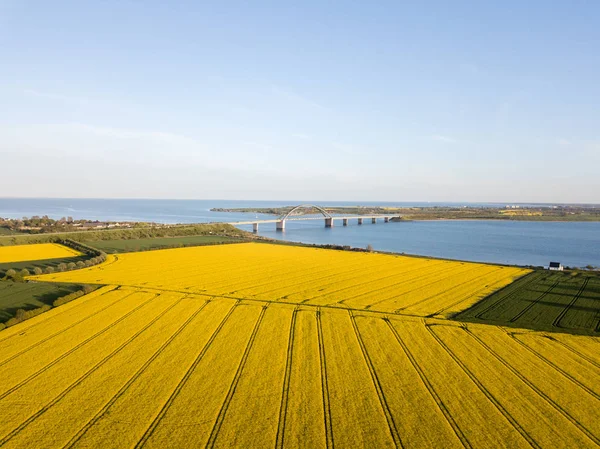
[[555, 266]]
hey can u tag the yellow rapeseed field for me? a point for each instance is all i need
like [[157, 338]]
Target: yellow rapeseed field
[[139, 367], [297, 275], [40, 251], [256, 345]]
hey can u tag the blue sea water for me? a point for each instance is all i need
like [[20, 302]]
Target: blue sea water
[[510, 242]]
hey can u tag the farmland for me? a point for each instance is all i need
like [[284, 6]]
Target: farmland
[[144, 244], [128, 366], [257, 345], [42, 251], [296, 275], [16, 295], [543, 300]]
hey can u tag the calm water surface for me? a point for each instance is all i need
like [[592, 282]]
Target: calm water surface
[[521, 243]]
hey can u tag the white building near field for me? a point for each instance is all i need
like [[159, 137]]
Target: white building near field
[[555, 266]]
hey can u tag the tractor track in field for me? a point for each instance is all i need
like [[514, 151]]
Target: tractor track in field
[[508, 295], [420, 278], [442, 407], [132, 379], [443, 309], [286, 383], [329, 441], [234, 383], [390, 286], [85, 376], [396, 285], [45, 316], [249, 273], [302, 274], [29, 348], [534, 388], [454, 287], [574, 351], [78, 346], [394, 274], [482, 388], [377, 384], [534, 302], [556, 322], [167, 405], [552, 364]]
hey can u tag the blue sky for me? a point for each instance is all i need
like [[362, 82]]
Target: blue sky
[[390, 101]]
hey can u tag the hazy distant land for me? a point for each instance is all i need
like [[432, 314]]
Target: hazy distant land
[[508, 212]]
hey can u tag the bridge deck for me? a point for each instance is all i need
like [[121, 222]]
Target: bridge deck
[[335, 217]]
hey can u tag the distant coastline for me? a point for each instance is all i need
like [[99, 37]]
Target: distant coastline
[[567, 213]]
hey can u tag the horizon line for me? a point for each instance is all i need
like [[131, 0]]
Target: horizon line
[[298, 201]]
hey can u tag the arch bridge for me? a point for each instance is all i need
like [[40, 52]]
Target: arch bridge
[[326, 216]]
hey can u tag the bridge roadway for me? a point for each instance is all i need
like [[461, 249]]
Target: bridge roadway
[[280, 223]]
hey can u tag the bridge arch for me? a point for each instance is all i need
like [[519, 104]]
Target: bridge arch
[[305, 206]]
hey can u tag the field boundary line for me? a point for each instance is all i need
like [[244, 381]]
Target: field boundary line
[[534, 302], [85, 376], [559, 318], [482, 388], [552, 364], [46, 317], [329, 442], [234, 383], [286, 383], [377, 384], [167, 405], [132, 379], [78, 346], [537, 390], [44, 340], [279, 302], [509, 294], [429, 387]]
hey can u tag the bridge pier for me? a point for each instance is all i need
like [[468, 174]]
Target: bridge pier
[[360, 221], [386, 219], [280, 225], [254, 227], [345, 221], [373, 220], [329, 222]]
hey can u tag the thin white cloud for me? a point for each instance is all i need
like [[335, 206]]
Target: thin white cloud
[[564, 142]]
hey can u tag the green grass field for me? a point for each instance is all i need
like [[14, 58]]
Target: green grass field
[[543, 300], [124, 246], [6, 231], [30, 295], [31, 264]]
